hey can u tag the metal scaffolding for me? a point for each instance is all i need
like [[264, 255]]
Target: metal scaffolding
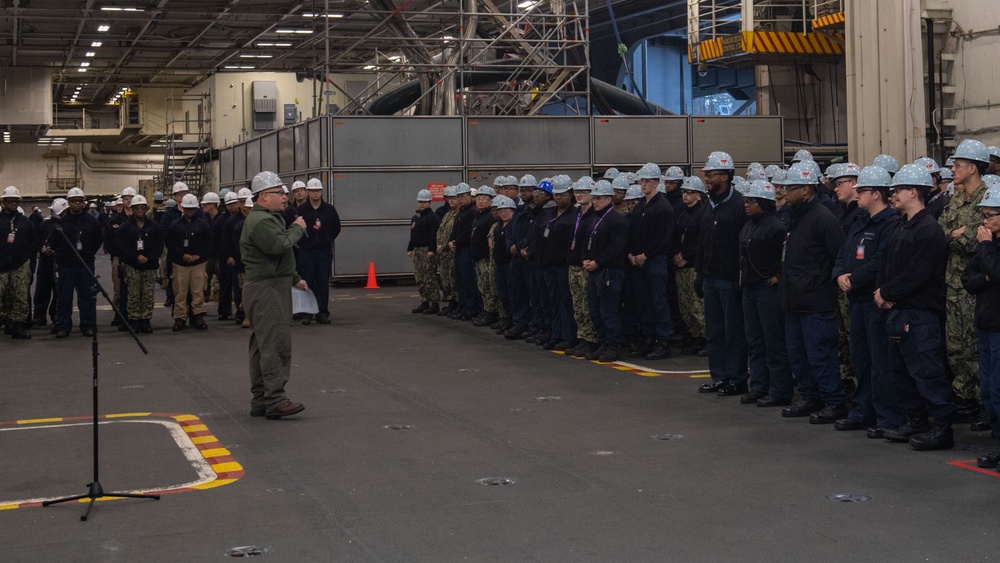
[[468, 57]]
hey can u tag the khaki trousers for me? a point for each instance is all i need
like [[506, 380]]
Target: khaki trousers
[[189, 281]]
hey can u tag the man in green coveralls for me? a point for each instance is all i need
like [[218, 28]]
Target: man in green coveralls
[[266, 248]]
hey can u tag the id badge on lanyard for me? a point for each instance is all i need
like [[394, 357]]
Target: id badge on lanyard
[[10, 236], [139, 245]]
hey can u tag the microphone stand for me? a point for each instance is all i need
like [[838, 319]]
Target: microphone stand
[[95, 490]]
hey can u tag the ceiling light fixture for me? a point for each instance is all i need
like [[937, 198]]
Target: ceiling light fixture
[[296, 31], [274, 44], [312, 15], [120, 9], [85, 64], [90, 54], [96, 43], [103, 27], [239, 67], [81, 70], [256, 56]]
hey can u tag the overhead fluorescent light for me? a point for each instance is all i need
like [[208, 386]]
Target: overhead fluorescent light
[[239, 67], [296, 31], [81, 70], [312, 15], [96, 43], [120, 9], [370, 67], [84, 64], [103, 27], [274, 44], [90, 54], [256, 56]]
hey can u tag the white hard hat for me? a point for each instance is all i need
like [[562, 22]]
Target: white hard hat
[[802, 174], [503, 202], [740, 184], [913, 175], [760, 189], [649, 171], [602, 188], [265, 180], [210, 197], [59, 205], [718, 160], [802, 154], [694, 184], [499, 181], [611, 174], [473, 192], [10, 192], [129, 191], [424, 195], [190, 201], [462, 188], [673, 174], [138, 200], [118, 201], [874, 177], [244, 193], [486, 190], [314, 184], [929, 163], [179, 187], [887, 162], [74, 192], [633, 192], [298, 185], [231, 197], [527, 181], [248, 202], [971, 149]]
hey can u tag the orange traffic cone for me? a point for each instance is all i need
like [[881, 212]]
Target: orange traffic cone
[[372, 282]]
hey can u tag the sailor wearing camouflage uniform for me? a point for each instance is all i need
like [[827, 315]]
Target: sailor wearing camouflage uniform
[[140, 242], [960, 221], [17, 246], [423, 237], [446, 259]]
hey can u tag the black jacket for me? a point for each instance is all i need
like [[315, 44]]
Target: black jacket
[[114, 222], [127, 242], [863, 252], [719, 256], [501, 250], [848, 214], [46, 234], [228, 246], [553, 237], [84, 233], [605, 240], [480, 235], [423, 230], [529, 222], [653, 229], [912, 271], [937, 203], [198, 234], [985, 264], [761, 243], [322, 227], [16, 250], [581, 225], [687, 234], [461, 232], [811, 248]]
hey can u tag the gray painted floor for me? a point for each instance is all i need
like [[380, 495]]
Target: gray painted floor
[[334, 484]]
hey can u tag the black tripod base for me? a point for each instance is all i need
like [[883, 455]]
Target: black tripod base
[[96, 492]]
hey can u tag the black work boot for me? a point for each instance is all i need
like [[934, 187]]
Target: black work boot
[[432, 310], [939, 437], [421, 308], [19, 331], [660, 352], [912, 427], [643, 346]]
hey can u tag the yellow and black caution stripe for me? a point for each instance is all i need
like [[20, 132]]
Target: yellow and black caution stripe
[[828, 20]]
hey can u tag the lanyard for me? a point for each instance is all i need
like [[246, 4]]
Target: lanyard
[[597, 223], [576, 228]]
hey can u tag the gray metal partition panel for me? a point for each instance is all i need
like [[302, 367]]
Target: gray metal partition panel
[[359, 245], [269, 152], [384, 195], [635, 141], [226, 165], [240, 162], [746, 139], [301, 140], [286, 150], [316, 142], [528, 141], [391, 141], [253, 158]]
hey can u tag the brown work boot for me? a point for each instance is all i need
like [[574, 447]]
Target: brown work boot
[[178, 325], [199, 322], [284, 408]]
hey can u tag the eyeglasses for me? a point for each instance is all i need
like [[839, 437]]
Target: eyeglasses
[[987, 215], [895, 189], [864, 189], [843, 181], [276, 192], [792, 188]]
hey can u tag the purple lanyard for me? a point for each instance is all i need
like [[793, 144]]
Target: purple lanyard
[[576, 228], [598, 224]]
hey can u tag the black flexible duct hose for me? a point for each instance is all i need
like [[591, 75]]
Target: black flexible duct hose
[[404, 95]]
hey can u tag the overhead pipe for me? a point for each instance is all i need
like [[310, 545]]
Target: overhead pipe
[[120, 163]]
